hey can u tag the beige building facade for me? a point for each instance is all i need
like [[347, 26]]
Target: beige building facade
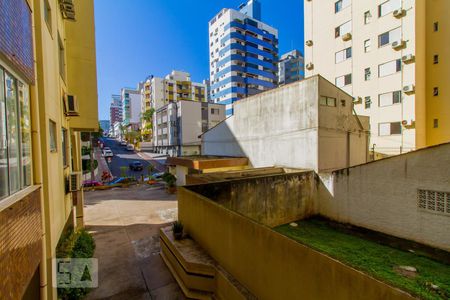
[[386, 54]]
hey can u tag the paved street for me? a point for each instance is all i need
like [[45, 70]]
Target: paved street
[[125, 224], [123, 158]]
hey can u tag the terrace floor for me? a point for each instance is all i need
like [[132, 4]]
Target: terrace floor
[[431, 281]]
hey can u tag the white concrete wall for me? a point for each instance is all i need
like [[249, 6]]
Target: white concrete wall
[[190, 113], [281, 127], [135, 107], [383, 196]]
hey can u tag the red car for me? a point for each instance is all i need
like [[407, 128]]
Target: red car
[[89, 183]]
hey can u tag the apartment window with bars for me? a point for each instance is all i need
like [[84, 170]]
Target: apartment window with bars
[[367, 45], [434, 201], [367, 102], [327, 101], [367, 74], [367, 17]]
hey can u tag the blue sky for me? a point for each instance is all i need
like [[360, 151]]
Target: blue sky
[[137, 38]]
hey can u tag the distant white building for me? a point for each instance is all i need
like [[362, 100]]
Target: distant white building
[[178, 125], [131, 106]]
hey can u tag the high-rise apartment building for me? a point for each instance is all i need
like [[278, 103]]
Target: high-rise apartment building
[[243, 54], [48, 96], [291, 67], [131, 107], [392, 57], [157, 92], [115, 110]]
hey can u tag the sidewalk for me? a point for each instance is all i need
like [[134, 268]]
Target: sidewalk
[[102, 164], [156, 159]]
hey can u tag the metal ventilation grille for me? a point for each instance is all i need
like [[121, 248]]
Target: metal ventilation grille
[[434, 201]]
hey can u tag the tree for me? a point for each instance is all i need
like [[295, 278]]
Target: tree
[[147, 116]]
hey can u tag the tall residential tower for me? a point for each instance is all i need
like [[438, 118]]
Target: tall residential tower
[[243, 54], [392, 56]]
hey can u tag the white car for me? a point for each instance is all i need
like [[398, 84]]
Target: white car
[[108, 153], [130, 147], [123, 143]]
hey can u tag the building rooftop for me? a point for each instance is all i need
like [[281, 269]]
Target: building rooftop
[[207, 162]]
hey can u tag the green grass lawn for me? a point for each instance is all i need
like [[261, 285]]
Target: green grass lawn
[[375, 259]]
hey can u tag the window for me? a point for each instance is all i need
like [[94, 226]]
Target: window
[[327, 101], [392, 128], [389, 37], [388, 7], [390, 98], [436, 26], [25, 122], [367, 45], [343, 29], [343, 80], [15, 143], [435, 59], [367, 74], [52, 132], [343, 55], [64, 147], [367, 102], [367, 17], [48, 15], [435, 123], [390, 68], [215, 111], [62, 58], [340, 5], [433, 201], [435, 91], [343, 103]]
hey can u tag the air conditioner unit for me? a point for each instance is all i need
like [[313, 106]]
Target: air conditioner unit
[[347, 37], [309, 66], [398, 13], [72, 106], [408, 58], [309, 43], [409, 89], [357, 100], [408, 124], [397, 45], [75, 181]]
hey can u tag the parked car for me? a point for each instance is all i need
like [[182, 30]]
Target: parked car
[[158, 175], [130, 147], [89, 183], [108, 153], [123, 143], [136, 166]]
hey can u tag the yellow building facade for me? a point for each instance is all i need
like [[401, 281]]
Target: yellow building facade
[[48, 68]]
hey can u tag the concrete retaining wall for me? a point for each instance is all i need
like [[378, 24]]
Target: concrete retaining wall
[[269, 264]]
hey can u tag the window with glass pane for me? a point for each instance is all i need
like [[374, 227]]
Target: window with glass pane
[[64, 146], [52, 132], [4, 181], [25, 126], [12, 121]]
